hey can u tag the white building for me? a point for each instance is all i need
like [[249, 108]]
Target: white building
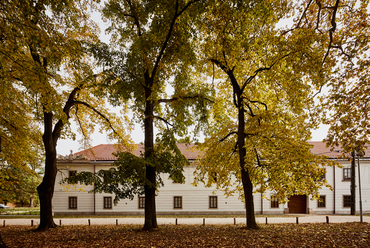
[[174, 198]]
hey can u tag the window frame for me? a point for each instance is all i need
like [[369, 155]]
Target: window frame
[[347, 174], [348, 200], [72, 202], [321, 203], [274, 202], [107, 204], [213, 202], [177, 202], [72, 173], [141, 202]]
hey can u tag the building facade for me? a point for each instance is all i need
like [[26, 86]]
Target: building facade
[[175, 198]]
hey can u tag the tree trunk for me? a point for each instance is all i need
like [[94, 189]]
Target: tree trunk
[[247, 183], [32, 200], [150, 209], [46, 188], [353, 185]]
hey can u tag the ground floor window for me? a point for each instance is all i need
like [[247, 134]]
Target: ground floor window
[[213, 202], [177, 202], [321, 202], [107, 202], [274, 202], [141, 202], [72, 202], [346, 201]]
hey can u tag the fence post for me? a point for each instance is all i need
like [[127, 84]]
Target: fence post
[[234, 221], [60, 222], [116, 222], [327, 219], [204, 221], [89, 222], [176, 221], [31, 222], [297, 220], [266, 220], [4, 223]]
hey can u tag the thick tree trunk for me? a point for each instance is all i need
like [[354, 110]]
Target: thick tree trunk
[[247, 183], [353, 185], [150, 209], [46, 188]]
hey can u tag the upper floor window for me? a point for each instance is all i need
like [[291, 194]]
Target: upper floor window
[[72, 173], [346, 174]]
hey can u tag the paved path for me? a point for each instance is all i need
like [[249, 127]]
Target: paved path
[[192, 221]]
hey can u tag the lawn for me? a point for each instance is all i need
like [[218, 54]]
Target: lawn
[[271, 235]]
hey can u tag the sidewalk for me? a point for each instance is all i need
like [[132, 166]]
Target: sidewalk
[[188, 221]]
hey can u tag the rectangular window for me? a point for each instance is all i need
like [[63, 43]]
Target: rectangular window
[[107, 202], [346, 174], [72, 202], [213, 202], [177, 202], [141, 202], [321, 202], [274, 202], [72, 173], [346, 201]]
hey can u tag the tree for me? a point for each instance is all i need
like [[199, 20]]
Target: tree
[[154, 41], [44, 57], [261, 125], [345, 107]]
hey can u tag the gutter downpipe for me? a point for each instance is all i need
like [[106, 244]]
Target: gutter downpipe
[[334, 188], [94, 194]]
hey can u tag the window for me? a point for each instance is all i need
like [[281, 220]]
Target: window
[[72, 202], [72, 173], [346, 201], [141, 202], [274, 202], [321, 202], [346, 174], [177, 202], [213, 202], [107, 202]]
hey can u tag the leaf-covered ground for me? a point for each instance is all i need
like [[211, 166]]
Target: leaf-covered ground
[[277, 235]]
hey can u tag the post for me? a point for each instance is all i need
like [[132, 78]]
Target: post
[[234, 221], [359, 183], [327, 219], [116, 222], [176, 222], [204, 221], [296, 220], [31, 222], [353, 184], [60, 222], [4, 223], [266, 220], [89, 222]]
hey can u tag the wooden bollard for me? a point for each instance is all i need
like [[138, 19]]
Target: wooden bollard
[[60, 222], [327, 219], [234, 221], [176, 221], [266, 220], [89, 222], [296, 220], [31, 222], [4, 223], [204, 221], [116, 222]]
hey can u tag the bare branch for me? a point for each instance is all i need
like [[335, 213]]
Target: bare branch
[[164, 120], [229, 134]]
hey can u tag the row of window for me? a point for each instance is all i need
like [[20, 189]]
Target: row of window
[[107, 202], [212, 200]]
